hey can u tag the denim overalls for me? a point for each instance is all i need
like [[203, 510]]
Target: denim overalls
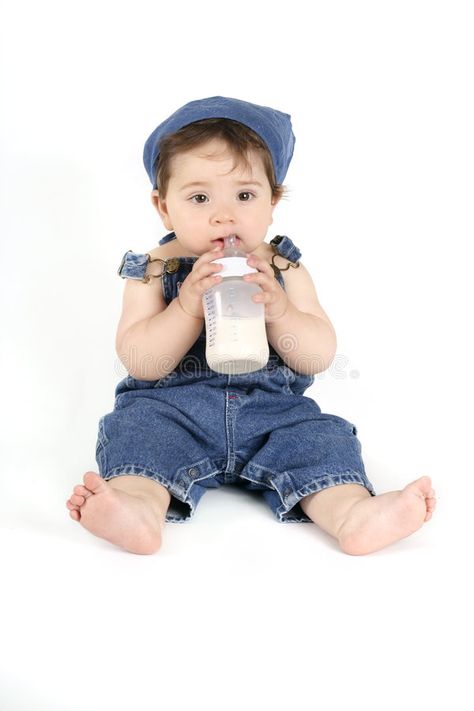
[[196, 429]]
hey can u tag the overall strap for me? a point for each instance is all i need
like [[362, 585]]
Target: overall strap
[[134, 265], [284, 247], [167, 238]]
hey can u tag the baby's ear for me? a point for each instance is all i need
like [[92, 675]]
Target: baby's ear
[[160, 206], [156, 200]]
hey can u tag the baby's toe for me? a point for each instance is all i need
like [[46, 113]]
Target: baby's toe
[[82, 491], [75, 515], [430, 502], [95, 483], [423, 484], [77, 500]]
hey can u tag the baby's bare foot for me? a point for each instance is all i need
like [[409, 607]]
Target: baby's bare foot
[[130, 521], [375, 522]]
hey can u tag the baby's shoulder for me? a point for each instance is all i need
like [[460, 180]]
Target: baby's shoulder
[[163, 251], [160, 254]]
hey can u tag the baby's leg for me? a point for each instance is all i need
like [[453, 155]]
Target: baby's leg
[[128, 511], [363, 523]]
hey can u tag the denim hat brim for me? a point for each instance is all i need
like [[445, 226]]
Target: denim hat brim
[[273, 126]]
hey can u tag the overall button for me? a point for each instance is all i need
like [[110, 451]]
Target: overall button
[[193, 471], [172, 265]]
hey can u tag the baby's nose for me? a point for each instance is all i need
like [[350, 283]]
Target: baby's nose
[[222, 215]]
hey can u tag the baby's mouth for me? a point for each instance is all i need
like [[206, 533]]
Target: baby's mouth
[[221, 240]]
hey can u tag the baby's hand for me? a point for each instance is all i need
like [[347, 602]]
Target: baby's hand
[[273, 296], [199, 280]]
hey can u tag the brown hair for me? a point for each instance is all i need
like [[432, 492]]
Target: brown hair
[[238, 137]]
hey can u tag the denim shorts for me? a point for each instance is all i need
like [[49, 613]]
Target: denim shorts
[[191, 433]]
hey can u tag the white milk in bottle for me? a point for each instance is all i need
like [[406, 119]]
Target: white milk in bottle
[[236, 338]]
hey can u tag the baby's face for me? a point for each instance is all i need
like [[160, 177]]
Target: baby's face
[[208, 200]]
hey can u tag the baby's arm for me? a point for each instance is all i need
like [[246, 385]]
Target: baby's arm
[[298, 328], [307, 343], [303, 336], [153, 337]]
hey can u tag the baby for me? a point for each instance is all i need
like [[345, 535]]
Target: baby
[[217, 167]]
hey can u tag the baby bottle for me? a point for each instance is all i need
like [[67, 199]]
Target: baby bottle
[[236, 338]]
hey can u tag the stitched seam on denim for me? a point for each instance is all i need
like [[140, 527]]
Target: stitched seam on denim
[[313, 489], [206, 476], [266, 469], [141, 471], [229, 429], [101, 459], [255, 481], [102, 435], [343, 474]]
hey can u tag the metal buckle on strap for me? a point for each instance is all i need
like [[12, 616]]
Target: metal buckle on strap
[[170, 266], [147, 277], [276, 269]]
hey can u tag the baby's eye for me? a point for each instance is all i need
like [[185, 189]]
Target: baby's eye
[[248, 196], [199, 202]]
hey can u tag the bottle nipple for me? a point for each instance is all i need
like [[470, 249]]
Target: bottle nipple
[[231, 248]]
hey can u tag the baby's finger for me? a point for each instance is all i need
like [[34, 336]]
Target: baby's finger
[[261, 265], [205, 262], [206, 282], [211, 255], [259, 278], [207, 270]]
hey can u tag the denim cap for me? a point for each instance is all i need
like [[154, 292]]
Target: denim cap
[[273, 126]]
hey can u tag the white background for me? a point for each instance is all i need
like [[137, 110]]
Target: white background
[[237, 609]]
